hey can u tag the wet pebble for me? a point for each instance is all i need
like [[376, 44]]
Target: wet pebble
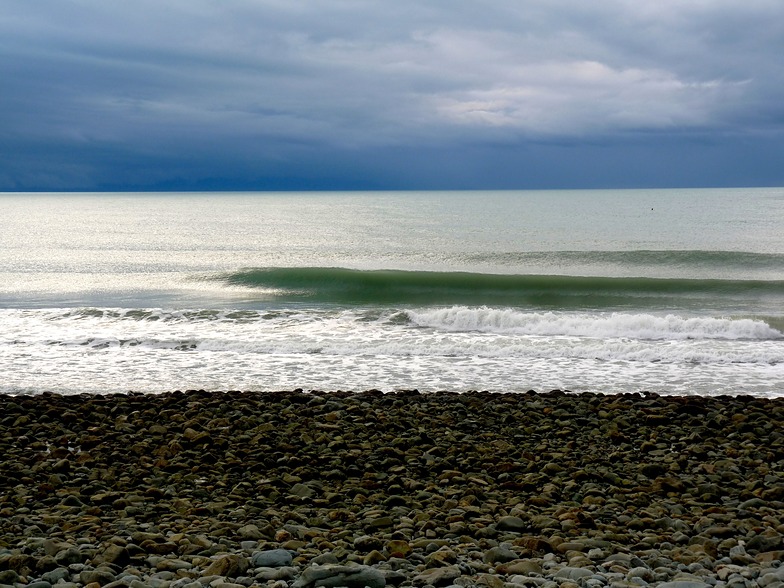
[[233, 489]]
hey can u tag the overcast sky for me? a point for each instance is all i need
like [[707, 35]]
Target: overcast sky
[[403, 94]]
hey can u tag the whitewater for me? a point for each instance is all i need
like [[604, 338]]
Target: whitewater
[[109, 293]]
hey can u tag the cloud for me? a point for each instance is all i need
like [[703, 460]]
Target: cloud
[[579, 97], [262, 84]]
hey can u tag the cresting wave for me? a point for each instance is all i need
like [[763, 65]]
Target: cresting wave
[[350, 286], [141, 326], [615, 325]]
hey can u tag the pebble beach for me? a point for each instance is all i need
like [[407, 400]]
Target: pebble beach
[[305, 489]]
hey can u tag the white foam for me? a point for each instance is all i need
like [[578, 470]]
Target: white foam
[[117, 350], [634, 326]]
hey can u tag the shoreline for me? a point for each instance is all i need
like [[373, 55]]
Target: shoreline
[[530, 489]]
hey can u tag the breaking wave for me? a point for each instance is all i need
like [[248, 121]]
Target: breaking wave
[[350, 286]]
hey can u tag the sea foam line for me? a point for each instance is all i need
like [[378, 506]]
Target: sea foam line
[[624, 325], [141, 323]]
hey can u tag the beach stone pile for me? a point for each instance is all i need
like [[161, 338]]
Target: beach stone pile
[[309, 489]]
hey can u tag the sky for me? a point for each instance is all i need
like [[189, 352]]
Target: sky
[[399, 95]]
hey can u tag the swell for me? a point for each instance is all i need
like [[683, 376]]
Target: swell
[[349, 286], [643, 258]]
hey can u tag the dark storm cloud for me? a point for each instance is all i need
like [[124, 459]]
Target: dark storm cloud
[[345, 93]]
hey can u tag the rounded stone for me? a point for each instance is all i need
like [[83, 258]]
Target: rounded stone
[[340, 576], [367, 543], [499, 554], [100, 576], [512, 524], [273, 558]]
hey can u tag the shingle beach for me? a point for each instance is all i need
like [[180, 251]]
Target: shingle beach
[[305, 489]]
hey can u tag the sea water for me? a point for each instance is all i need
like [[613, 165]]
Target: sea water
[[667, 291]]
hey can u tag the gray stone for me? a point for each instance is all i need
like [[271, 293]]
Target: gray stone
[[512, 525], [499, 555], [574, 574], [738, 555], [486, 580], [187, 584], [521, 567], [140, 537], [395, 577], [523, 580], [56, 575], [367, 543], [284, 573], [302, 491], [116, 554], [752, 503], [172, 565], [762, 543], [325, 558], [53, 547], [9, 577], [643, 573], [230, 565], [438, 576], [101, 576], [69, 556], [542, 522], [249, 532], [46, 564], [684, 584], [120, 583], [770, 578], [380, 523], [274, 558], [595, 554], [331, 576]]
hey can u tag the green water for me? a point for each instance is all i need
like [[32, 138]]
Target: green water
[[674, 291]]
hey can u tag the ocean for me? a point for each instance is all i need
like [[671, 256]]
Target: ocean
[[612, 291]]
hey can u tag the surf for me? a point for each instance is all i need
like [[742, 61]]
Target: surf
[[640, 326], [407, 287]]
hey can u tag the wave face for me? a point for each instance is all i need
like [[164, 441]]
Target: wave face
[[350, 286]]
